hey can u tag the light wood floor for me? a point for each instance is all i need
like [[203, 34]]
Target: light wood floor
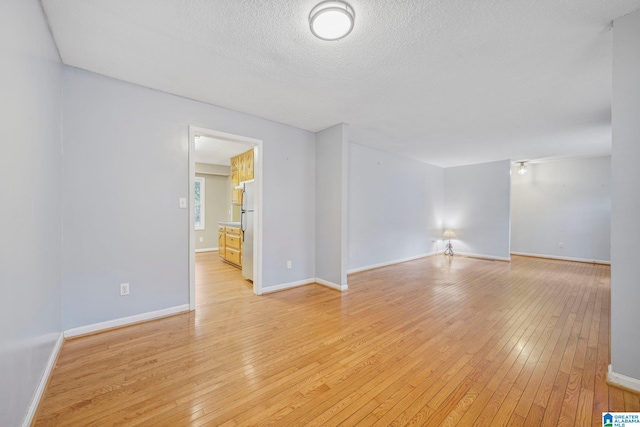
[[429, 342]]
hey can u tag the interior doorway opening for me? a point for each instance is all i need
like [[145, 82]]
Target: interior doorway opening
[[227, 145]]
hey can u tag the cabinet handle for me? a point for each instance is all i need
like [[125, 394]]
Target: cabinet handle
[[242, 225]]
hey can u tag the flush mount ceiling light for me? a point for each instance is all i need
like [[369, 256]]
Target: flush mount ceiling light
[[331, 20], [522, 168]]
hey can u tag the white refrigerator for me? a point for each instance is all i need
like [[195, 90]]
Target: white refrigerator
[[247, 226]]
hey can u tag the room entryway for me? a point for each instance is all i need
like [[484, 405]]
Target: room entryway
[[229, 229]]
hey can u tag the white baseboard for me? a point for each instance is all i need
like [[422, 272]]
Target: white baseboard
[[564, 258], [332, 285], [290, 285], [623, 381], [480, 256], [97, 327], [206, 250], [283, 286], [384, 264], [35, 402]]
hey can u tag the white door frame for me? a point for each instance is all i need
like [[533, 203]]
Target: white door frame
[[257, 237]]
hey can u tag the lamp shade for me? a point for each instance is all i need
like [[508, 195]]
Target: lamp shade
[[448, 234]]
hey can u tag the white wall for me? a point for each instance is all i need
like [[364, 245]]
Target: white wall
[[625, 173], [126, 226], [31, 208], [477, 208], [331, 204], [395, 207], [566, 201], [211, 169], [217, 200]]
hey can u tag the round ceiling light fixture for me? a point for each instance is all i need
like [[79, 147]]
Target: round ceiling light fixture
[[331, 20]]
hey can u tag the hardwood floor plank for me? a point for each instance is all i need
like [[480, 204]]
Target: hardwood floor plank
[[516, 421], [471, 415], [601, 393], [436, 341], [585, 403], [631, 401], [535, 416], [571, 399]]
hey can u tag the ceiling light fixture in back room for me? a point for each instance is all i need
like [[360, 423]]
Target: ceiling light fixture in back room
[[522, 168], [331, 20]]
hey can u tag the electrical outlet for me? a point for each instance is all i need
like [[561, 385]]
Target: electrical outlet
[[201, 239], [124, 289], [288, 265], [561, 244]]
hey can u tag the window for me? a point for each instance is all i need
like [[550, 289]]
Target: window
[[199, 202]]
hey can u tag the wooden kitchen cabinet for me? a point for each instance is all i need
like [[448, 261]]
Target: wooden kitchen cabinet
[[242, 168], [230, 244], [222, 236], [233, 246], [236, 195], [248, 165], [233, 256]]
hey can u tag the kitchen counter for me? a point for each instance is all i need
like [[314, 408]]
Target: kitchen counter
[[229, 223]]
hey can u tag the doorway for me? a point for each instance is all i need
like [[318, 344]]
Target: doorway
[[257, 218]]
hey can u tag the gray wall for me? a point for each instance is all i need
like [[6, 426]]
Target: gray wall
[[31, 208], [625, 227], [395, 207], [477, 208], [331, 204], [566, 201], [217, 206], [126, 226]]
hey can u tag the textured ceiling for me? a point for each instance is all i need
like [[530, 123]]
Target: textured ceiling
[[217, 151], [448, 82]]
